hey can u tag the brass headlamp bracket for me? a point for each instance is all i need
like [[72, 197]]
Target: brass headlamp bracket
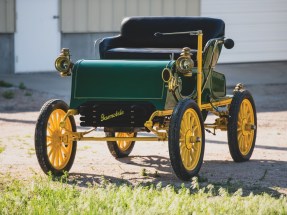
[[63, 63], [170, 79]]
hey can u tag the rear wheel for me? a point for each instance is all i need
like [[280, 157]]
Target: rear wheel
[[242, 126], [186, 139], [54, 150], [120, 148]]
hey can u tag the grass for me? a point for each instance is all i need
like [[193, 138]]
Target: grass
[[31, 151], [22, 86], [5, 84], [28, 94], [45, 196], [8, 94], [2, 149], [85, 148]]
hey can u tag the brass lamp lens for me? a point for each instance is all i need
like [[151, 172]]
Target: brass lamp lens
[[184, 64], [62, 64]]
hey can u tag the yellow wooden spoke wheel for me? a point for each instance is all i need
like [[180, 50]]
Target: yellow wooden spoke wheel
[[190, 139], [59, 152], [120, 148], [123, 144], [242, 126], [55, 149], [186, 139]]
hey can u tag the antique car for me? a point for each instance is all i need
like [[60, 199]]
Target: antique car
[[157, 76]]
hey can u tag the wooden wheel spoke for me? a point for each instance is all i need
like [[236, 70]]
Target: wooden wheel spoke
[[195, 128], [53, 123], [189, 120], [60, 157], [65, 149], [57, 163], [53, 155], [182, 147], [192, 121], [50, 152], [187, 157], [49, 144], [49, 129], [192, 154], [182, 132], [184, 154]]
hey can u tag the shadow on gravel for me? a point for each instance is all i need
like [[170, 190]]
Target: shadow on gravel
[[18, 121], [256, 146], [158, 162], [254, 176], [88, 179]]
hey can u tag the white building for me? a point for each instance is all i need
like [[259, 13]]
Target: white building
[[32, 32]]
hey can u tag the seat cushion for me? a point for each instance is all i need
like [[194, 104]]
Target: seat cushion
[[145, 53]]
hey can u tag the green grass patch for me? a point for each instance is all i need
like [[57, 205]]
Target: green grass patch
[[45, 196], [5, 84], [8, 94], [22, 86], [2, 149], [31, 151], [28, 94]]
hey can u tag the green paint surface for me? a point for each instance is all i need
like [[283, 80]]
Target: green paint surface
[[118, 80]]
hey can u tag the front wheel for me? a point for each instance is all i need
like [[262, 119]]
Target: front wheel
[[120, 148], [242, 126], [55, 151], [186, 139]]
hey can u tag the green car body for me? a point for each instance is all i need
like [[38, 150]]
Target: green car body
[[136, 80]]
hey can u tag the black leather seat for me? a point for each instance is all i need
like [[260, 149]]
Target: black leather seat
[[137, 40]]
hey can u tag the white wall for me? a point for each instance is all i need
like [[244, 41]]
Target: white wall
[[258, 27]]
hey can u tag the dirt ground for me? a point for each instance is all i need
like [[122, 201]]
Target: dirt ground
[[265, 172]]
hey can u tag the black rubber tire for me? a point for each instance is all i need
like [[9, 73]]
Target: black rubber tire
[[114, 148], [232, 125], [174, 143], [40, 137], [204, 114]]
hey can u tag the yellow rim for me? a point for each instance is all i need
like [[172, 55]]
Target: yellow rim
[[123, 144], [190, 139], [59, 153], [245, 133]]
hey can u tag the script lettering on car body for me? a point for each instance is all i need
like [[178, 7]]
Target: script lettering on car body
[[113, 115]]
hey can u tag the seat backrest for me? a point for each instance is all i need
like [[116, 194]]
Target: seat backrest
[[139, 31]]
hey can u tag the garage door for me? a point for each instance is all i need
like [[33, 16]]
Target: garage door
[[37, 37], [258, 27]]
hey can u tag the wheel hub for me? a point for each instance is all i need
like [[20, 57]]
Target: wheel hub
[[243, 128], [190, 139], [246, 127], [56, 139]]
